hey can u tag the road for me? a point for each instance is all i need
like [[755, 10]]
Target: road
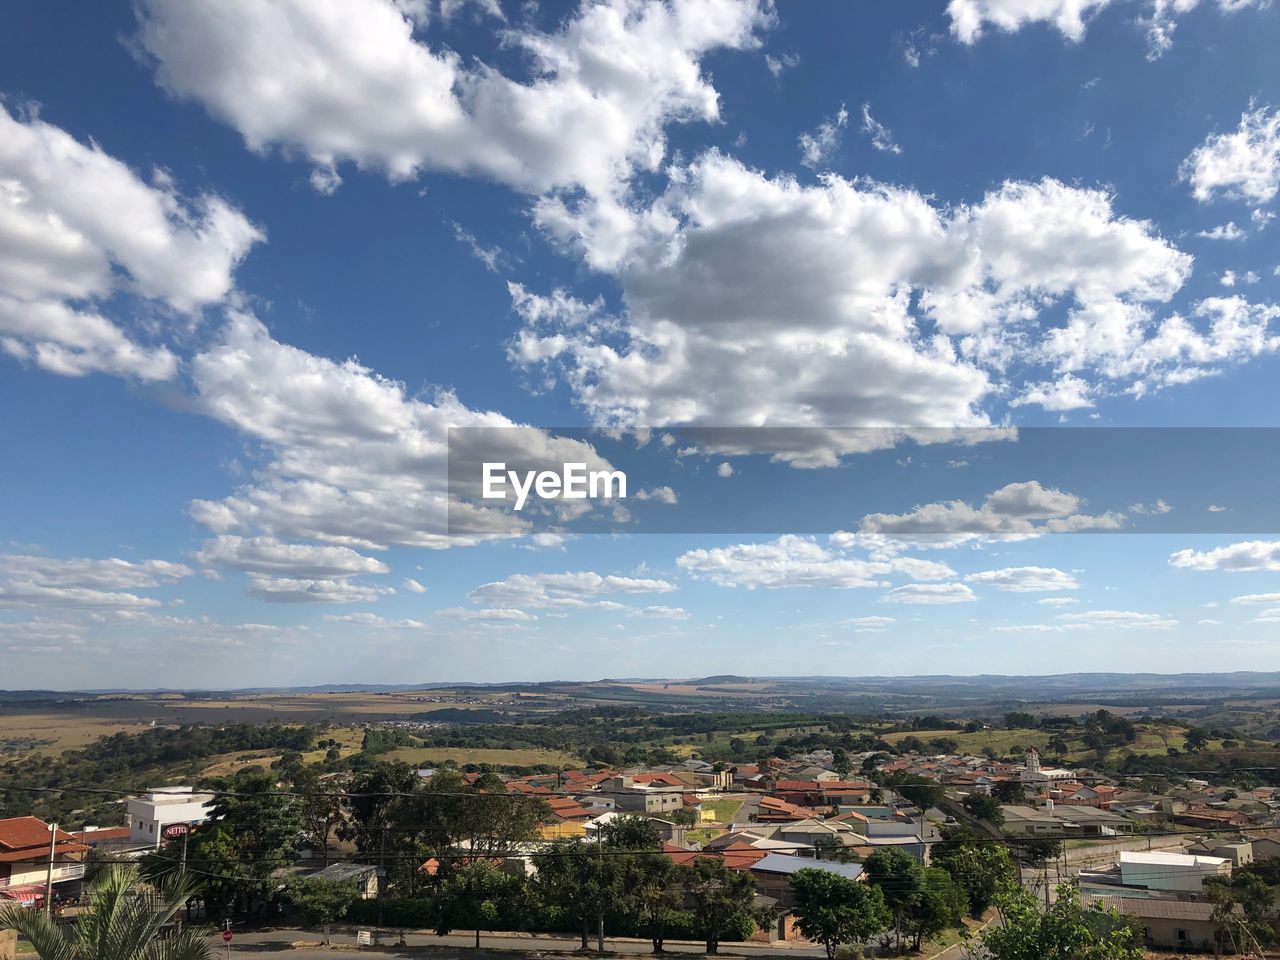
[[269, 944]]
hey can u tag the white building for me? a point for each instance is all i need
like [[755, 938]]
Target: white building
[[1039, 776], [1170, 871], [154, 811]]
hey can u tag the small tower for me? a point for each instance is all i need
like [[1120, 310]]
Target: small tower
[[1033, 762]]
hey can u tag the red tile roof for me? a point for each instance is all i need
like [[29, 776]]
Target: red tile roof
[[27, 838]]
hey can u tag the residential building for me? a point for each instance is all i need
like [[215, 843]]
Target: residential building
[[157, 810], [26, 844], [650, 798], [773, 874], [1177, 872], [1181, 925]]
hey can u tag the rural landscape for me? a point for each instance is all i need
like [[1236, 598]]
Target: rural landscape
[[910, 816], [549, 479]]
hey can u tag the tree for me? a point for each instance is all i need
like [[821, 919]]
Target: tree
[[1009, 791], [937, 903], [1036, 852], [984, 807], [1196, 739], [841, 762], [717, 897], [924, 793], [685, 816], [474, 896], [320, 809], [981, 870], [252, 831], [1242, 910], [899, 876], [320, 901], [650, 892], [572, 880], [632, 832], [1066, 931], [835, 910], [122, 921]]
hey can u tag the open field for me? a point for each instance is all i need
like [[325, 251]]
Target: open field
[[60, 731], [228, 764], [426, 756], [724, 809]]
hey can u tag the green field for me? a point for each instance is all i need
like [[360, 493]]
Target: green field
[[427, 756], [723, 809]]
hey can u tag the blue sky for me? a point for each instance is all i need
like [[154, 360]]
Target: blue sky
[[257, 258]]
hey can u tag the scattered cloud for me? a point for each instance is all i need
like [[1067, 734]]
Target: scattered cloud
[[1238, 557], [930, 594], [86, 245], [1015, 511], [870, 624], [267, 555], [1025, 579], [660, 494], [300, 590], [795, 561], [1223, 231], [499, 614], [881, 136], [817, 148], [1243, 164], [352, 82], [584, 590], [659, 612]]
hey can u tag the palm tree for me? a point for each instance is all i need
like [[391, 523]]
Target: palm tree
[[120, 923]]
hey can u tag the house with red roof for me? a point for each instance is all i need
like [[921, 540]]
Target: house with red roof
[[25, 847]]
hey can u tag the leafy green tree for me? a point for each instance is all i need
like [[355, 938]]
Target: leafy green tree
[[924, 793], [1036, 852], [632, 831], [835, 910], [122, 921], [258, 826], [718, 897], [1066, 931], [649, 891], [937, 903], [320, 809], [841, 762], [984, 807], [981, 870], [570, 879], [899, 876], [1196, 739], [474, 896], [1242, 911], [320, 901], [1009, 791]]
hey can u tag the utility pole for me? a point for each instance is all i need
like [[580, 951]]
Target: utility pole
[[600, 892], [48, 882]]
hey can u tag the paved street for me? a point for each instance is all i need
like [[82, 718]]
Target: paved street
[[262, 945]]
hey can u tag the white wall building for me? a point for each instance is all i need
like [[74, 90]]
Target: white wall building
[[1170, 871], [163, 807]]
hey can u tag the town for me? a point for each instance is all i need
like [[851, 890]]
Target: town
[[836, 839]]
